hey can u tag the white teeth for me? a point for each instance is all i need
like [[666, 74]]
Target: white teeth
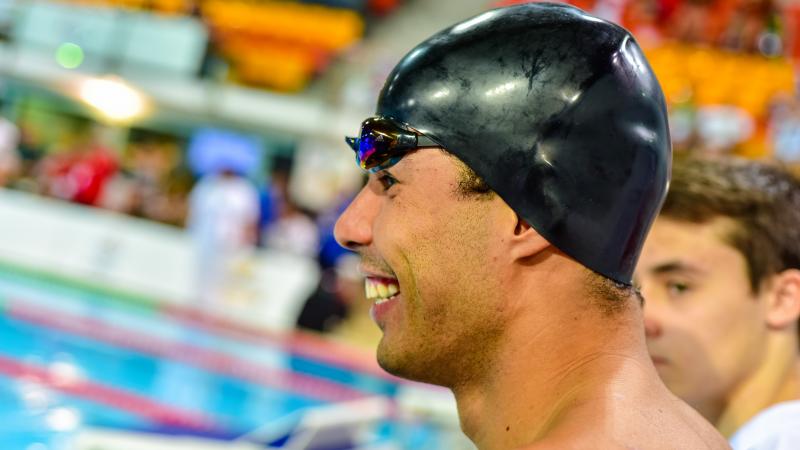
[[379, 290], [382, 291]]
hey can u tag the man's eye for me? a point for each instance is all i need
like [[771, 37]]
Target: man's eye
[[386, 181], [677, 288]]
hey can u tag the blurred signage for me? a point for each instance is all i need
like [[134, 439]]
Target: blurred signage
[[7, 8], [279, 44], [112, 39], [173, 44], [47, 26]]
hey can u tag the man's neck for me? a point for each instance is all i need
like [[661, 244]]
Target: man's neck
[[776, 380], [540, 377]]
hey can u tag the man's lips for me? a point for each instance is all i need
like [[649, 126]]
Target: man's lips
[[370, 271], [381, 310]]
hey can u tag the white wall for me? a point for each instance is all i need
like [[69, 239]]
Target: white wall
[[144, 258]]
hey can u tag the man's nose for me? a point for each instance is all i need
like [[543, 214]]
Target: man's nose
[[354, 227], [652, 313], [652, 326]]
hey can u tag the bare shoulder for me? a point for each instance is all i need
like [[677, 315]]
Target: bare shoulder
[[585, 441], [651, 426], [698, 431], [576, 444]]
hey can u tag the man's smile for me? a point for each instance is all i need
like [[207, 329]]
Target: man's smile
[[381, 290], [384, 292]]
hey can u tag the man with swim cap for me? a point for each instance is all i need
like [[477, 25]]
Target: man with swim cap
[[517, 160], [721, 274]]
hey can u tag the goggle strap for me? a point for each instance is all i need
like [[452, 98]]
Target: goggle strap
[[425, 141]]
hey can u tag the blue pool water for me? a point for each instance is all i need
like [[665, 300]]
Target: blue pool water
[[72, 358]]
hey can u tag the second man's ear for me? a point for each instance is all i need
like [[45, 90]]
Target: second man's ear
[[784, 299]]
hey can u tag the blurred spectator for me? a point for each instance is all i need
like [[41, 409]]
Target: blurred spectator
[[171, 205], [765, 26], [324, 308], [752, 28], [273, 193], [149, 159], [31, 151], [721, 127], [644, 19], [610, 10], [120, 194], [79, 170], [357, 326], [694, 22], [291, 229], [329, 250], [339, 306], [163, 186], [151, 183], [785, 130], [10, 165], [223, 218]]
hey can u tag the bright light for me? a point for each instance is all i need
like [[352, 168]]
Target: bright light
[[113, 98], [65, 373], [35, 397], [501, 89], [69, 55], [63, 419], [441, 93], [468, 25]]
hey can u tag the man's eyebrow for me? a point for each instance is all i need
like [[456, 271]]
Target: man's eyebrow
[[387, 171], [676, 266]]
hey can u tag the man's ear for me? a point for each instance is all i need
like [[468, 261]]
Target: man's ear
[[783, 302], [525, 241]]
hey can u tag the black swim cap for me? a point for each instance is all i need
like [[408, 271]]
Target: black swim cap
[[560, 114]]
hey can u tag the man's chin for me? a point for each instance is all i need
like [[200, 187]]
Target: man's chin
[[391, 361], [405, 365]]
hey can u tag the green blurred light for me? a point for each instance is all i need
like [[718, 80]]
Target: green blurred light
[[69, 55]]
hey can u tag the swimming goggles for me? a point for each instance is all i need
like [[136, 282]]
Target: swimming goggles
[[384, 141]]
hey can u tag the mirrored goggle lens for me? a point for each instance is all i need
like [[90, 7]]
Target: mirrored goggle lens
[[381, 144]]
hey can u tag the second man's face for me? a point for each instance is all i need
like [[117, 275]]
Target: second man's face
[[705, 327]]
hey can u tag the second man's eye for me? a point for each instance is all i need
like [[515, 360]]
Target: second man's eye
[[677, 288]]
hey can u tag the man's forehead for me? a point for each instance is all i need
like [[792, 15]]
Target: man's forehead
[[714, 230], [427, 159], [676, 245]]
